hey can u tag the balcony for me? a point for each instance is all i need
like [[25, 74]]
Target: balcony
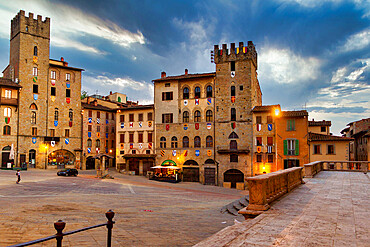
[[7, 101], [226, 149]]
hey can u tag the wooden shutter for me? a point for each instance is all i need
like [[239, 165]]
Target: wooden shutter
[[296, 147], [171, 121], [293, 124], [285, 147], [162, 118], [122, 138]]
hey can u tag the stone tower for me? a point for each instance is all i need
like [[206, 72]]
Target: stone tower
[[237, 91]]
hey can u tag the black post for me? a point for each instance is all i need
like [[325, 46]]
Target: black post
[[59, 226], [109, 215]]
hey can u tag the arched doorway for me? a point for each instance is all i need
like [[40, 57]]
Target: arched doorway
[[32, 158], [209, 172], [234, 176], [5, 156], [190, 171], [90, 163], [61, 158]]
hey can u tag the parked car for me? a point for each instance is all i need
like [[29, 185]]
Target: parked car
[[68, 172]]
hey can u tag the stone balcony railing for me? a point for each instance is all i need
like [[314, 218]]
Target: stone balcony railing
[[311, 169], [227, 149], [266, 188]]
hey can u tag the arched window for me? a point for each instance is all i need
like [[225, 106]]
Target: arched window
[[174, 142], [209, 116], [197, 92], [197, 116], [162, 142], [233, 145], [89, 143], [209, 91], [33, 106], [233, 135], [33, 117], [6, 130], [185, 117], [97, 143], [185, 94], [185, 142], [209, 141], [70, 115], [233, 114], [35, 51], [7, 112], [232, 90], [56, 114], [197, 142]]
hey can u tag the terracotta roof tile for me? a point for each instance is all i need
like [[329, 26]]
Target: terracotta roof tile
[[188, 76], [265, 108], [319, 123], [294, 113], [8, 82], [321, 137]]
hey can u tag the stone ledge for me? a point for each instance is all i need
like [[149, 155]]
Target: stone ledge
[[248, 214]]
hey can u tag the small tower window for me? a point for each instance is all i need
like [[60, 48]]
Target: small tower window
[[53, 91], [232, 65], [53, 74], [197, 142], [233, 114], [34, 71], [35, 88], [70, 115], [232, 90], [33, 117], [162, 142], [6, 130], [197, 92], [68, 93], [68, 77], [56, 114], [174, 142], [209, 116], [35, 51]]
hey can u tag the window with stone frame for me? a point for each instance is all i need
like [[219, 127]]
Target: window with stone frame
[[7, 112], [34, 131], [258, 119], [141, 137], [53, 74], [141, 117], [35, 71], [269, 119], [209, 116], [35, 89], [233, 145], [167, 96], [8, 94], [150, 137], [52, 132], [131, 117], [323, 128], [162, 142], [35, 51], [270, 158], [90, 113], [185, 117], [197, 142], [316, 149], [197, 92], [122, 118], [68, 93], [122, 138], [98, 114], [6, 130], [232, 91], [197, 116], [259, 141], [97, 143], [150, 116], [131, 137], [209, 141], [56, 114], [185, 142], [234, 158], [174, 142], [89, 127], [89, 143], [259, 158], [70, 115], [53, 91], [330, 149], [33, 117], [209, 91], [185, 94], [98, 128], [167, 118], [233, 114], [68, 76], [66, 133]]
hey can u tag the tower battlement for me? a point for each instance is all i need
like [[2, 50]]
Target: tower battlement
[[233, 53], [23, 24]]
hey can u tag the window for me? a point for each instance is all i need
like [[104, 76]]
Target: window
[[68, 77], [133, 151], [150, 137], [35, 51], [197, 92], [112, 116], [33, 106], [150, 116], [141, 117], [122, 138], [147, 151], [66, 132], [270, 158], [269, 119], [98, 128], [197, 142], [174, 142], [185, 142], [33, 117], [89, 128], [53, 91], [167, 118], [232, 65], [122, 152], [90, 113], [107, 115], [53, 74], [52, 132], [98, 114], [141, 137], [112, 130], [234, 158], [68, 93], [209, 91], [258, 119], [7, 112], [167, 85], [70, 114], [290, 124], [291, 147], [97, 143], [162, 143], [56, 114], [35, 88], [122, 118], [6, 130], [106, 143], [131, 137], [112, 144], [185, 93], [316, 149], [259, 141], [34, 71], [89, 143], [106, 129], [259, 157], [233, 135], [241, 87], [323, 129], [185, 117], [131, 117], [167, 96], [270, 141], [34, 131], [209, 116], [197, 116], [233, 145], [232, 90], [8, 94], [233, 114], [209, 141], [330, 149]]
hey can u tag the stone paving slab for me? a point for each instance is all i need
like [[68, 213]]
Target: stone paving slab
[[331, 209]]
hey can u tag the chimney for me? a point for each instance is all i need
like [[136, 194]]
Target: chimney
[[95, 103], [62, 59], [110, 93], [186, 71], [163, 74], [88, 100]]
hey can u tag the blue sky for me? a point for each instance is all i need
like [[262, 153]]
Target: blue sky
[[312, 54]]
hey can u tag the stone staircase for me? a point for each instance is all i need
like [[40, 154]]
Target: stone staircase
[[233, 207]]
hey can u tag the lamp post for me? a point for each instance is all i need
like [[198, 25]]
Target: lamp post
[[46, 152], [277, 113]]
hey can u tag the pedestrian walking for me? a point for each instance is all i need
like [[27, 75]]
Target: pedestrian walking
[[18, 174]]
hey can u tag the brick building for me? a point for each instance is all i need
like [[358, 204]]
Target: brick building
[[360, 146], [49, 129]]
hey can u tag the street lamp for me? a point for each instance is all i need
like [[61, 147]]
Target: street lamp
[[46, 152], [277, 113]]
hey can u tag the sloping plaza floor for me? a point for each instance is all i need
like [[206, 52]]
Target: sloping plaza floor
[[331, 209], [148, 213]]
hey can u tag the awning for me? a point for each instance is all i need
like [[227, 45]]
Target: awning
[[165, 167]]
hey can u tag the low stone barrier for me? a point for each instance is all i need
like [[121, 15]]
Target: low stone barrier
[[266, 188], [311, 169]]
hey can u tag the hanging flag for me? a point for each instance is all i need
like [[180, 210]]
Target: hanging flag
[[89, 134], [196, 101], [98, 120], [220, 52], [131, 145], [173, 152], [70, 123], [150, 124], [232, 74], [232, 99], [167, 127], [7, 120], [55, 123], [209, 101], [66, 141], [68, 85], [209, 152], [209, 126], [269, 149], [53, 82], [131, 124], [122, 125], [269, 127], [35, 96], [197, 152], [185, 102], [259, 127], [233, 125], [106, 121], [90, 120], [52, 143], [186, 153], [196, 126], [89, 150], [98, 134], [162, 153], [34, 79], [68, 100], [97, 150], [140, 124], [106, 135], [237, 50], [34, 139], [259, 149], [140, 145], [245, 49], [150, 145], [185, 126], [52, 98]]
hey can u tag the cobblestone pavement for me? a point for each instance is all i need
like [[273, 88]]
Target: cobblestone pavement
[[331, 209], [148, 213]]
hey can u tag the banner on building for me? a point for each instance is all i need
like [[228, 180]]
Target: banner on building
[[259, 127]]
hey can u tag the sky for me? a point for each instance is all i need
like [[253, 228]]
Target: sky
[[312, 54]]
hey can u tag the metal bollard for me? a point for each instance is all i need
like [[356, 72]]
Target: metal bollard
[[109, 215], [59, 226]]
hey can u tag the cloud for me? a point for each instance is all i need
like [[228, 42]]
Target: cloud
[[356, 41]]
